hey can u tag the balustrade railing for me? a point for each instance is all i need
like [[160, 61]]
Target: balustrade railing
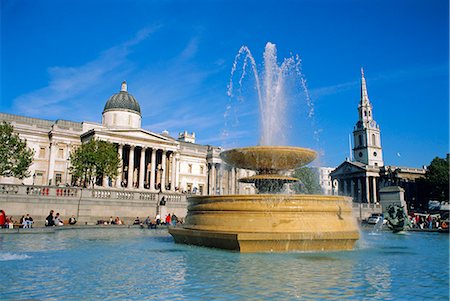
[[73, 192]]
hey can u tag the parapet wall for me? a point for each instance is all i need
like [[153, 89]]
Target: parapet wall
[[89, 205]]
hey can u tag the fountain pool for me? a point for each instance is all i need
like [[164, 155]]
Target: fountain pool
[[135, 264]]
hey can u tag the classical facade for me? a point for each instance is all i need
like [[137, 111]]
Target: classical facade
[[363, 176], [150, 161]]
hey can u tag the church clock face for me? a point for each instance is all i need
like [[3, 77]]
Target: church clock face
[[372, 123]]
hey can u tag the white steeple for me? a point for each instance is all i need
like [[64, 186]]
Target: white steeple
[[366, 135], [365, 107]]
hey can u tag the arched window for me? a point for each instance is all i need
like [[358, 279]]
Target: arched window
[[374, 139], [360, 140], [365, 113]]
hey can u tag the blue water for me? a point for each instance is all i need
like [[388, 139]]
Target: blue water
[[135, 264]]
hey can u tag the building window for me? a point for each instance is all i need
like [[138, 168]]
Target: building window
[[60, 153], [365, 113], [129, 120], [374, 154], [360, 154], [42, 152], [201, 169], [114, 119], [374, 139], [58, 178], [190, 168], [360, 140]]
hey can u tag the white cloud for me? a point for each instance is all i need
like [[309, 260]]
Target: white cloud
[[71, 82]]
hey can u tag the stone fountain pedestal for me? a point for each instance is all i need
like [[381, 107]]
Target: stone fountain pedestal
[[269, 222]]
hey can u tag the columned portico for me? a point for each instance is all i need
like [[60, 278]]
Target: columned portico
[[173, 172], [163, 170], [142, 168], [130, 167], [367, 190], [119, 170], [152, 170]]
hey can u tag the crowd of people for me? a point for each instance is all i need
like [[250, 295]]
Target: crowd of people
[[427, 221], [26, 221], [56, 220], [152, 223]]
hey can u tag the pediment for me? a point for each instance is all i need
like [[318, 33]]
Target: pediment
[[347, 168], [132, 136]]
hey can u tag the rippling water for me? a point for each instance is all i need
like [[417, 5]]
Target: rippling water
[[124, 264]]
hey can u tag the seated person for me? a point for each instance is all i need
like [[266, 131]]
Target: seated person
[[72, 220], [137, 221], [28, 221], [57, 221]]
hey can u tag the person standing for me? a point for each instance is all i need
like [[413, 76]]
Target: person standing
[[50, 221], [2, 219]]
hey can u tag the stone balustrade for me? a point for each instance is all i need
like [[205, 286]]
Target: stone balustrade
[[75, 192]]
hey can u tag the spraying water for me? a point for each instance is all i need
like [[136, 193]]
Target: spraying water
[[272, 91]]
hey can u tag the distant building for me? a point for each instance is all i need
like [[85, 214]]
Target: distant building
[[150, 161], [325, 180], [362, 177]]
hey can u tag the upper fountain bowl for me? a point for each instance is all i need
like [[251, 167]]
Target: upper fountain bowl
[[268, 159]]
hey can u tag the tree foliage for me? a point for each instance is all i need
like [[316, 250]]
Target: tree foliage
[[309, 181], [437, 178], [15, 156], [94, 159]]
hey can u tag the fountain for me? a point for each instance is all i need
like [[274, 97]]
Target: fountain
[[269, 221]]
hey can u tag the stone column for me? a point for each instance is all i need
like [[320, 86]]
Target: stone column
[[51, 165], [174, 171], [130, 167], [367, 190], [352, 189], [152, 170], [105, 181], [374, 184], [119, 170], [359, 190], [163, 174], [233, 179], [142, 169], [345, 188], [213, 179]]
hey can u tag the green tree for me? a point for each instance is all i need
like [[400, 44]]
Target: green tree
[[94, 159], [15, 156], [437, 178], [309, 181]]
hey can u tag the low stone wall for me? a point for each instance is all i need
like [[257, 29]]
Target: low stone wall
[[89, 205]]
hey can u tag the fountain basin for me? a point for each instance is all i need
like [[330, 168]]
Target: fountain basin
[[267, 222], [268, 159]]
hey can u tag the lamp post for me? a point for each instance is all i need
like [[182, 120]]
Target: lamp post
[[34, 178]]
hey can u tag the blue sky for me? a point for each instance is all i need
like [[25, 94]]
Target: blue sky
[[64, 59]]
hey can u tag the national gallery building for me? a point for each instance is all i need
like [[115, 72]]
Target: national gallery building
[[150, 161]]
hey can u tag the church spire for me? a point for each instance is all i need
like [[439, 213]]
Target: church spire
[[364, 94]]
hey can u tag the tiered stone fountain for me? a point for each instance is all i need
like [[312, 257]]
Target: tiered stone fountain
[[269, 222]]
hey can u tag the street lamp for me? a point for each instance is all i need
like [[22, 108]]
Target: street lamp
[[34, 178], [160, 170], [67, 169]]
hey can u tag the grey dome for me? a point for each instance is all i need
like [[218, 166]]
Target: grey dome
[[122, 101]]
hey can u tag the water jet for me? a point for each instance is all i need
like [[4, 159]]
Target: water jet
[[269, 221]]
